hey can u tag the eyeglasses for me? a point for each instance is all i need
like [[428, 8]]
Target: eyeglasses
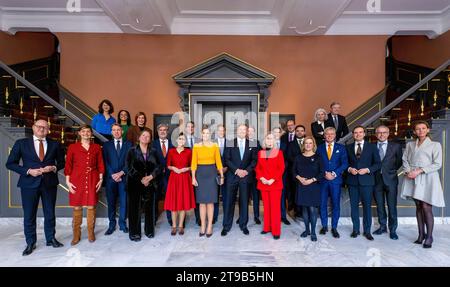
[[41, 127]]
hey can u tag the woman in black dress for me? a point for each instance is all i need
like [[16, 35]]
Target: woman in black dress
[[308, 172], [318, 126], [143, 169]]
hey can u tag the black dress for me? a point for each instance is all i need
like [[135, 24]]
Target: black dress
[[308, 167]]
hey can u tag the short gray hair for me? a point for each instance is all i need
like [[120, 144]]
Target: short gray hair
[[162, 125]]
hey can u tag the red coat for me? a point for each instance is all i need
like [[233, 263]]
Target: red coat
[[270, 167], [84, 168]]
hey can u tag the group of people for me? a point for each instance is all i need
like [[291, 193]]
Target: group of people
[[290, 170]]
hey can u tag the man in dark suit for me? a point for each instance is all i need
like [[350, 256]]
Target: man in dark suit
[[254, 192], [114, 156], [387, 181], [222, 143], [282, 145], [292, 151], [41, 160], [240, 159], [335, 162], [337, 121], [364, 161], [162, 145]]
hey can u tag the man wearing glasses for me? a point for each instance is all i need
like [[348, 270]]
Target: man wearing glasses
[[386, 182], [41, 160]]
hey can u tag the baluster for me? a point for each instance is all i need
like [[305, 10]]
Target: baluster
[[409, 117], [62, 134], [422, 108], [435, 97], [7, 96], [396, 128], [49, 125], [34, 114]]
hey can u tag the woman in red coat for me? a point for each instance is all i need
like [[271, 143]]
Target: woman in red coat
[[180, 192], [269, 173], [84, 175]]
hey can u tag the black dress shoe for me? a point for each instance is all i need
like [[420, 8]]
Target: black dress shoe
[[29, 249], [368, 236], [245, 231], [323, 231], [55, 243], [135, 238], [393, 236], [110, 231], [264, 232], [276, 237], [305, 234], [150, 234], [354, 234], [313, 237], [335, 233], [257, 221], [380, 230], [125, 230], [285, 221], [224, 232]]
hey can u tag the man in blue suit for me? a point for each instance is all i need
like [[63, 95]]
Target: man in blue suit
[[364, 161], [240, 158], [114, 156], [335, 162], [162, 145], [41, 160], [387, 182]]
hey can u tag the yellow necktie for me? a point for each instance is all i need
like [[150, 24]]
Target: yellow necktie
[[329, 151]]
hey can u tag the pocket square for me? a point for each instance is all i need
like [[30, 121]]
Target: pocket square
[[337, 151]]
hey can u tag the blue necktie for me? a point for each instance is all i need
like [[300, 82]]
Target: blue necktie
[[381, 150], [241, 149]]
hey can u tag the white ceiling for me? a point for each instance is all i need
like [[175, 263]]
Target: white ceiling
[[229, 17]]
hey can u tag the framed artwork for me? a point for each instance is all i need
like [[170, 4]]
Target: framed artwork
[[280, 120]]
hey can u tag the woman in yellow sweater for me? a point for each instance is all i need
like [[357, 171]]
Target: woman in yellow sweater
[[204, 165]]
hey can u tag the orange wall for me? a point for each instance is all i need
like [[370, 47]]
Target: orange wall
[[24, 46], [134, 71], [422, 51]]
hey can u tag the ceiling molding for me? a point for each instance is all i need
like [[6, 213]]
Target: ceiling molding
[[208, 26]]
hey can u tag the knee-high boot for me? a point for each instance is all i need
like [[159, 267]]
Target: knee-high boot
[[77, 219], [91, 224]]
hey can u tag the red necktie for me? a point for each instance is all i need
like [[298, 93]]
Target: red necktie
[[163, 147]]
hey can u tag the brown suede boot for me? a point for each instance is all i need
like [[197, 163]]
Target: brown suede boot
[[91, 224], [76, 225]]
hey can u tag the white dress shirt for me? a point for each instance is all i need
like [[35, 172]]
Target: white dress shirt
[[356, 145], [166, 144], [120, 143], [36, 144]]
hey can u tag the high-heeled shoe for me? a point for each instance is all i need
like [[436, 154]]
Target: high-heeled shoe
[[201, 234], [429, 244], [174, 231], [418, 241], [208, 235], [181, 231]]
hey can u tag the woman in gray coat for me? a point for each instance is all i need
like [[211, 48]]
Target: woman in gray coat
[[421, 162]]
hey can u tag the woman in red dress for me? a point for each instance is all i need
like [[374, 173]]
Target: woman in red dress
[[180, 193], [269, 173], [84, 175]]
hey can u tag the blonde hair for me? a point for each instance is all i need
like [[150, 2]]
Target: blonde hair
[[316, 118], [302, 147]]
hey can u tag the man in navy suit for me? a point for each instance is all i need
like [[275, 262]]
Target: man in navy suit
[[335, 162], [293, 150], [114, 156], [222, 143], [282, 144], [240, 159], [41, 160], [364, 161], [387, 181], [337, 121], [162, 145]]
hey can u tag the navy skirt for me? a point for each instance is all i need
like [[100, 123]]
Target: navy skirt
[[206, 191]]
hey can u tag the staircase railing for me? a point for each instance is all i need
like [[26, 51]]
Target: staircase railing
[[399, 99], [48, 99]]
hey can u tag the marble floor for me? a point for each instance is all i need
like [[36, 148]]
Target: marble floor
[[235, 249]]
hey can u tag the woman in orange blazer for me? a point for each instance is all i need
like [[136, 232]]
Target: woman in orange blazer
[[269, 173]]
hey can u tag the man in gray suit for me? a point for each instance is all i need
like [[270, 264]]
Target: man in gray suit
[[387, 181]]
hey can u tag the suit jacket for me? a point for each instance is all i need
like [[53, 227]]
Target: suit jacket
[[138, 167], [369, 159], [233, 160], [341, 129], [113, 162], [338, 162], [165, 173], [390, 164], [224, 147], [317, 132], [24, 150], [269, 167], [292, 151]]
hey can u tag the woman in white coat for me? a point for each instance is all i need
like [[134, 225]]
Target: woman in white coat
[[422, 160]]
